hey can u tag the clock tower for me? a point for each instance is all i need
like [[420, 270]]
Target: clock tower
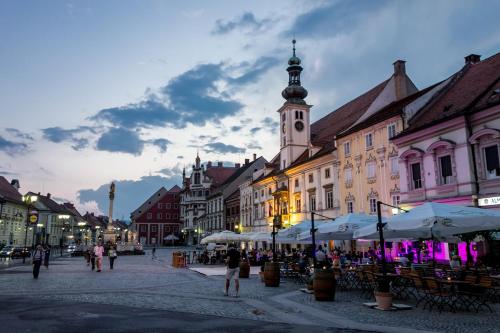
[[294, 116]]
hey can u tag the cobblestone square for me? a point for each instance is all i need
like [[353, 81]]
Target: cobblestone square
[[139, 282]]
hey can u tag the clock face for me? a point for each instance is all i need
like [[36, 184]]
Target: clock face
[[299, 126], [283, 128]]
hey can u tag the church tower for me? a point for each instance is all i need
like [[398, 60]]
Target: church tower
[[295, 130]]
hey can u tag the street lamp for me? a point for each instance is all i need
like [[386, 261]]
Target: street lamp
[[28, 200]]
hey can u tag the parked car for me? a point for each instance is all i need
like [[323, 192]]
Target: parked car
[[71, 248], [15, 252]]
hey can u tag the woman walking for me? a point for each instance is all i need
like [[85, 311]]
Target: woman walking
[[112, 256], [37, 260], [92, 258], [46, 256], [99, 252]]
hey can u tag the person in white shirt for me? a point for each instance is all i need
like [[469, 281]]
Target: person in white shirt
[[99, 252], [320, 256]]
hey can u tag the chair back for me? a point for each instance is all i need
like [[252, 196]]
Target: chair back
[[471, 278], [432, 283], [485, 281]]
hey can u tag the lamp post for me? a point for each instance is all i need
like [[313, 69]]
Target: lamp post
[[380, 228], [29, 200], [64, 218], [313, 235]]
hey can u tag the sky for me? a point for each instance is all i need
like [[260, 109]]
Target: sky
[[129, 91]]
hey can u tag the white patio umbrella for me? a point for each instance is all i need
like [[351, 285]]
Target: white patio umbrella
[[171, 237], [370, 232], [208, 239], [342, 228], [225, 236], [436, 220], [261, 237], [290, 235], [246, 236]]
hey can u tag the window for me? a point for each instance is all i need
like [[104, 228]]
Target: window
[[312, 202], [492, 162], [284, 164], [396, 200], [160, 205], [329, 198], [283, 116], [416, 177], [348, 175], [262, 192], [150, 216], [347, 148], [373, 205], [371, 170], [154, 228], [158, 216], [298, 205], [445, 169], [176, 206], [167, 216], [301, 115], [270, 210], [296, 114], [369, 140], [256, 213], [311, 178], [350, 207], [327, 173], [296, 182], [144, 228], [391, 131], [394, 165], [256, 195], [197, 178], [269, 191], [284, 141]]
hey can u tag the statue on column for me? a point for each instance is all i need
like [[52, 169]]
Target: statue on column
[[109, 235]]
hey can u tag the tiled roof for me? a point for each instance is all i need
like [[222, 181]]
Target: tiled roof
[[49, 203], [9, 192], [391, 110], [70, 208], [325, 129], [219, 174], [468, 87]]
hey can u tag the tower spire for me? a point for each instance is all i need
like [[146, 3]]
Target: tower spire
[[294, 93]]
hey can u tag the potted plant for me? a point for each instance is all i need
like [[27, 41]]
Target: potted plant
[[383, 294]]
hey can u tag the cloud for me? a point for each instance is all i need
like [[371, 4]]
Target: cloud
[[180, 157], [74, 135], [253, 145], [8, 173], [130, 194], [236, 128], [207, 137], [255, 130], [334, 18], [170, 172], [270, 124], [162, 144], [120, 140], [11, 147], [18, 134], [222, 148], [255, 70], [246, 23]]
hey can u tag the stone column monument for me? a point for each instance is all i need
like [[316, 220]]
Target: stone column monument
[[109, 234]]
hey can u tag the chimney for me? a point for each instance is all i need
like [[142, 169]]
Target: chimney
[[247, 161], [15, 184], [254, 157], [209, 164], [219, 164], [237, 165], [472, 59], [48, 195], [400, 79]]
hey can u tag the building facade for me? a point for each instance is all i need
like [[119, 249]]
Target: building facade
[[158, 217], [13, 212]]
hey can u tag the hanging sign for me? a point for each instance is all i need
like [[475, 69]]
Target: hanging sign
[[491, 201]]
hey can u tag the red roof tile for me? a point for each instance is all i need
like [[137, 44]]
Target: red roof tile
[[219, 174], [329, 126], [9, 192], [465, 90]]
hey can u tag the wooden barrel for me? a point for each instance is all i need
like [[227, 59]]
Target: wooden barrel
[[244, 270], [272, 274], [324, 285]]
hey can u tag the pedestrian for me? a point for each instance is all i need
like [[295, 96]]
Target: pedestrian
[[112, 256], [37, 260], [92, 258], [46, 256], [99, 251], [86, 255], [233, 269], [153, 253]]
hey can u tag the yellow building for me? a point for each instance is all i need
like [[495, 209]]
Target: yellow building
[[368, 160]]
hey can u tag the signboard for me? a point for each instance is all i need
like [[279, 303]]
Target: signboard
[[33, 217], [491, 201]]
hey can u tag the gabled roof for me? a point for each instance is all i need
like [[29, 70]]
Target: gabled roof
[[219, 175], [9, 193], [468, 88], [150, 202], [325, 129], [393, 109], [49, 203], [70, 208]]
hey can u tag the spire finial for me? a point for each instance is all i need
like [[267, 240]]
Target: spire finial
[[293, 42]]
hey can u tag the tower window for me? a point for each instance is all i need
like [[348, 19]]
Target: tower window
[[301, 114], [296, 114], [283, 117]]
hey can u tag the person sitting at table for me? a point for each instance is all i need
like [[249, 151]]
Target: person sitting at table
[[455, 263]]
